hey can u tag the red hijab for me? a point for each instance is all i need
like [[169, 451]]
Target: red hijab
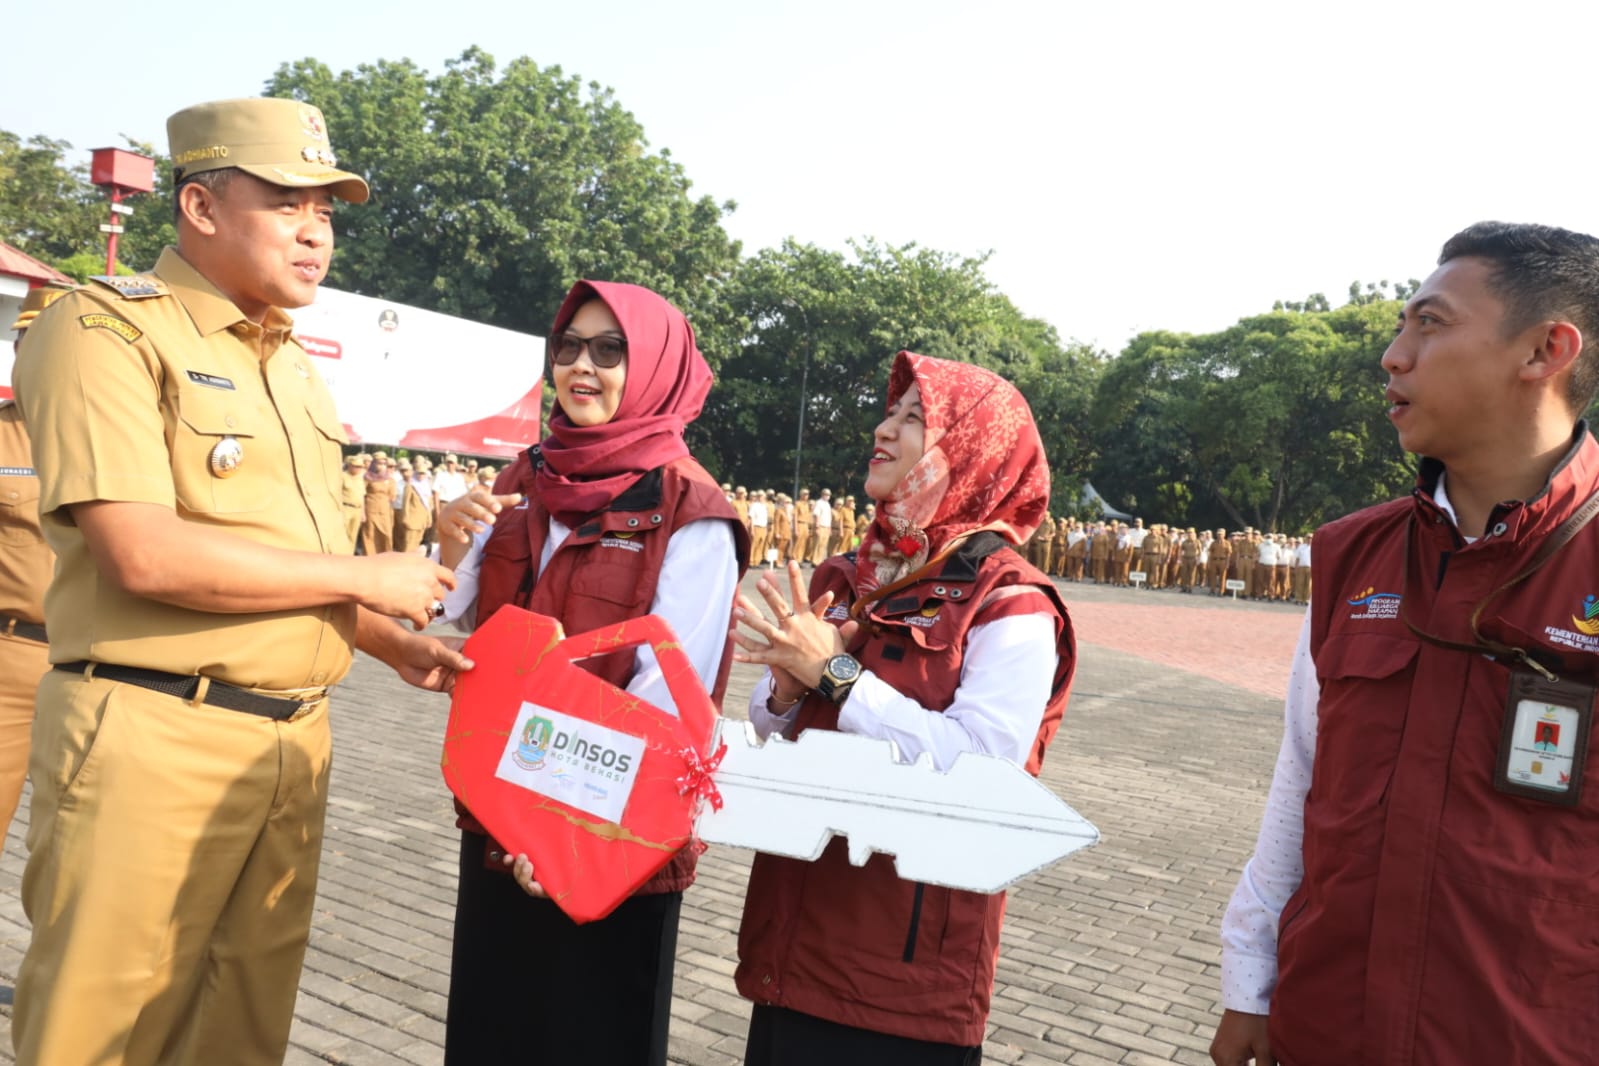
[[586, 467], [982, 468]]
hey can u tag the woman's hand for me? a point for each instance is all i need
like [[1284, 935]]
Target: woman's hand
[[796, 641], [522, 869], [472, 513]]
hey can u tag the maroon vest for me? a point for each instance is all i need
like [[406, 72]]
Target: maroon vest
[[1440, 920], [856, 944], [603, 573]]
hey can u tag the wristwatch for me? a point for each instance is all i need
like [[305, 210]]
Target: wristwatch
[[838, 676]]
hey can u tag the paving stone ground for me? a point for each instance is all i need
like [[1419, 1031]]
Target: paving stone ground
[[1108, 957]]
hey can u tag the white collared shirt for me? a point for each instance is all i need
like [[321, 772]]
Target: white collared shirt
[[694, 594]]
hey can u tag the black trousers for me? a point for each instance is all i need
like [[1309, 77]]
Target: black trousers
[[528, 985], [780, 1037]]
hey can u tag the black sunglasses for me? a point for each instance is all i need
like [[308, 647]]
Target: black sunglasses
[[606, 350]]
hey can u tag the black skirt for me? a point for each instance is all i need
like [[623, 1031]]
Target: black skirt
[[780, 1037], [528, 985]]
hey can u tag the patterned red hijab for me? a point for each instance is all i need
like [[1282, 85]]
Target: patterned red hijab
[[586, 467], [983, 467]]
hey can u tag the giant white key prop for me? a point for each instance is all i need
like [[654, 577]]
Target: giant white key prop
[[601, 789], [981, 825]]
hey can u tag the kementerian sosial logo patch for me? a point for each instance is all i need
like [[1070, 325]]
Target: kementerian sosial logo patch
[[1588, 619], [1374, 604]]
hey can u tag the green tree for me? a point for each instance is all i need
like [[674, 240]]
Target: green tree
[[825, 324], [1277, 422], [46, 208], [493, 190]]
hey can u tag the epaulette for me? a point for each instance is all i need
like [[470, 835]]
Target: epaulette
[[134, 286]]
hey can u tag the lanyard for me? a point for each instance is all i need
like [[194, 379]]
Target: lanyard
[[1562, 536]]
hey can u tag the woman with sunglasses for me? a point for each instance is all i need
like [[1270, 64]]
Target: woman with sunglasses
[[608, 518], [938, 636]]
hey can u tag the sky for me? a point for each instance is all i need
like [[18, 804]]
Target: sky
[[1127, 166]]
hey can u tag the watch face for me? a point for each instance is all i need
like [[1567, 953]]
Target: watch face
[[844, 667]]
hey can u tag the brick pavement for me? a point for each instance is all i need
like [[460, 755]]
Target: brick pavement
[[1109, 957]]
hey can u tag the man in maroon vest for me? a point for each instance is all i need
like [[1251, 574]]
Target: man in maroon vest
[[1422, 889]]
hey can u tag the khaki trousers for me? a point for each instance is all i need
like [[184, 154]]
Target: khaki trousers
[[352, 523], [802, 544], [22, 663], [821, 545], [172, 864], [377, 531], [758, 537]]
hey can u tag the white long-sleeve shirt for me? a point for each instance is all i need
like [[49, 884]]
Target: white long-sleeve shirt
[[1006, 673], [1274, 872], [694, 594]]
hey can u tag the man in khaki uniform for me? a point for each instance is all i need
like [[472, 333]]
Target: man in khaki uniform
[[804, 527], [25, 566], [741, 506], [1188, 560], [352, 491], [760, 516], [783, 528], [822, 527], [844, 526], [1152, 556], [415, 513], [1221, 554], [204, 603]]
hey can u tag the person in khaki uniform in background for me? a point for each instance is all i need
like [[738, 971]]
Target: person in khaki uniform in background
[[1152, 556], [844, 526], [864, 520], [1104, 537], [1077, 541], [204, 604], [821, 527], [377, 517], [414, 515], [1188, 560], [26, 563], [804, 527], [783, 528], [352, 491], [741, 506], [1045, 536], [1221, 555]]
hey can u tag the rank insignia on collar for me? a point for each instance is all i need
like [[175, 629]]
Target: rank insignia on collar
[[133, 287]]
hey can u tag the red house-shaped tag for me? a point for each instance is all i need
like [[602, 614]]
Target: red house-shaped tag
[[599, 788]]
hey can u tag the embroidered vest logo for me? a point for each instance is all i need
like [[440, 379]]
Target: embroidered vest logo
[[1371, 604], [1585, 634]]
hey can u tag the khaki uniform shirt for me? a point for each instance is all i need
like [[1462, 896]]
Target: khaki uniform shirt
[[352, 488], [25, 559], [127, 391]]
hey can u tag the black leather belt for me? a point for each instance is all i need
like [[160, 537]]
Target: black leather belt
[[23, 629], [184, 686]]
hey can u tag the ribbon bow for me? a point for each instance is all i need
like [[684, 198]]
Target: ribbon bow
[[697, 779]]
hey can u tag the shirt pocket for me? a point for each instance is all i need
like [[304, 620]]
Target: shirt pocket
[[330, 439], [19, 509], [208, 419]]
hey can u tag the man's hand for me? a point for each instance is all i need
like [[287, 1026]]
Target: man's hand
[[1241, 1038], [430, 663], [402, 585]]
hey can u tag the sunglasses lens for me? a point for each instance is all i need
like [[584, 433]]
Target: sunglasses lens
[[564, 349], [607, 351]]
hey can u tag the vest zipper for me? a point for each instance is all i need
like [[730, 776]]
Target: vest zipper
[[916, 921]]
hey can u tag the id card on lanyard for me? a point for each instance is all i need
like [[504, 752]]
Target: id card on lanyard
[[1544, 743]]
